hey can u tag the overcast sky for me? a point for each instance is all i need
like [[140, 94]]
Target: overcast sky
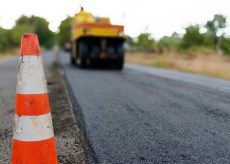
[[159, 17]]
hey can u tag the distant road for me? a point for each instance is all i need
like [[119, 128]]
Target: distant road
[[222, 85], [146, 115]]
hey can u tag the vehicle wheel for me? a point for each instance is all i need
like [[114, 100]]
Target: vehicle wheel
[[82, 54], [72, 54], [120, 60], [120, 63], [72, 60]]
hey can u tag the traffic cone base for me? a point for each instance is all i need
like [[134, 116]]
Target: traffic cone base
[[36, 152]]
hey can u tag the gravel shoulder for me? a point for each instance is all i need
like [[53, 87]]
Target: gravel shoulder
[[68, 136]]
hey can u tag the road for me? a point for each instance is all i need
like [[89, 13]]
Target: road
[[138, 115], [7, 92], [145, 115]]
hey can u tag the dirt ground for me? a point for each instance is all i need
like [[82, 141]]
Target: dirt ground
[[211, 65], [68, 136]]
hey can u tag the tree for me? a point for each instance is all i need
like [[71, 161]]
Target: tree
[[64, 31], [10, 39], [36, 25], [41, 28], [225, 45], [215, 27], [17, 32], [4, 40], [192, 37], [131, 43], [145, 41], [170, 43]]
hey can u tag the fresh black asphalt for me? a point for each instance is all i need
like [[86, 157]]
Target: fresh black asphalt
[[145, 115]]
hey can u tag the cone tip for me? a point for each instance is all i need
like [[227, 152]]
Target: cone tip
[[29, 44]]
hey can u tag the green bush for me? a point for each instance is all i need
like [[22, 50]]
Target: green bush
[[225, 45], [64, 34], [10, 39], [167, 44]]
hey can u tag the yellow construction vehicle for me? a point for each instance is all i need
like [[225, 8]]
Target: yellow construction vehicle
[[96, 40]]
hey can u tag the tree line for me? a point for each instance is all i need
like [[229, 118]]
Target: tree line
[[10, 38], [212, 39]]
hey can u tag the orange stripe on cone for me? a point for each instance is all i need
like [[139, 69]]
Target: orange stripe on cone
[[37, 152], [32, 104], [29, 45]]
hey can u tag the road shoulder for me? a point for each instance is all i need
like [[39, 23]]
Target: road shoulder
[[69, 143]]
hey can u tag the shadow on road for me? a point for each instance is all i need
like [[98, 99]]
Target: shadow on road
[[98, 67]]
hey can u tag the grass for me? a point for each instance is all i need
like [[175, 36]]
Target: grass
[[210, 65], [7, 55]]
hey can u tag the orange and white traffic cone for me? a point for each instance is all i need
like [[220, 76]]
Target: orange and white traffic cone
[[33, 138]]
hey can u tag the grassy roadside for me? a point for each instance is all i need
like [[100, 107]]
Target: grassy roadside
[[7, 55], [211, 65]]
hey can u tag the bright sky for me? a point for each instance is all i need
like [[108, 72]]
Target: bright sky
[[159, 17]]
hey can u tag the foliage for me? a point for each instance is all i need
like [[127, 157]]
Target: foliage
[[11, 38], [143, 42], [5, 39], [130, 41], [215, 28], [36, 25], [193, 41], [171, 43], [16, 34], [41, 28], [64, 31], [216, 24], [192, 37], [225, 45]]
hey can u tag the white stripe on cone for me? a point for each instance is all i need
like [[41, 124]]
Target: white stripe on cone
[[33, 128], [31, 78]]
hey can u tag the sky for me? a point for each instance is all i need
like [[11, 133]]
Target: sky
[[158, 17]]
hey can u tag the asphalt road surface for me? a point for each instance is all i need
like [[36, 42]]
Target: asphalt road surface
[[138, 115], [7, 93], [146, 115]]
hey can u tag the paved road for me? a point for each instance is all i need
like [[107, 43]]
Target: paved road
[[145, 115], [8, 69]]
